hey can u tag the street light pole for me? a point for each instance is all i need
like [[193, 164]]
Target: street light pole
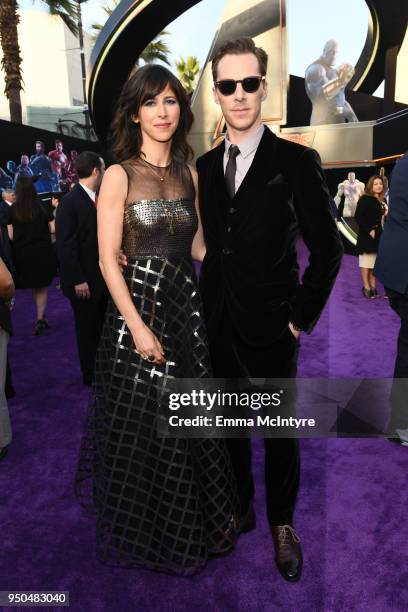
[[83, 70]]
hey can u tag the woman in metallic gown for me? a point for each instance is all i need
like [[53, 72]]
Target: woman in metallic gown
[[161, 503]]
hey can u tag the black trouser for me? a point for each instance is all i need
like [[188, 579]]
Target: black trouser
[[233, 359], [89, 317], [399, 392]]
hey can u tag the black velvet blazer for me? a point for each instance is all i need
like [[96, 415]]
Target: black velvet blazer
[[251, 265], [77, 243]]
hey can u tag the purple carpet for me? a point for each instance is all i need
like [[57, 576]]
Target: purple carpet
[[352, 508]]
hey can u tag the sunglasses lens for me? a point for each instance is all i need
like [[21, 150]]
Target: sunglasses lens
[[227, 87], [251, 84]]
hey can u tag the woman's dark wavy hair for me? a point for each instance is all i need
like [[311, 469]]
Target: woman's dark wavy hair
[[369, 187], [144, 84], [26, 197]]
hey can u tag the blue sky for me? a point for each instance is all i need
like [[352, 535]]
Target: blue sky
[[310, 24]]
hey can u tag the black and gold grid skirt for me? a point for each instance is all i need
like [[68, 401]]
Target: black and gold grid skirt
[[160, 503]]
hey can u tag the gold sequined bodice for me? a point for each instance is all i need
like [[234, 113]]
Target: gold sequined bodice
[[160, 217]]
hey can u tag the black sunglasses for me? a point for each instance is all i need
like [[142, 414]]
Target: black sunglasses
[[228, 86]]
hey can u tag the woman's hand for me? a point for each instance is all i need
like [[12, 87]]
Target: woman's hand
[[122, 261], [294, 331], [372, 233], [198, 248], [148, 346]]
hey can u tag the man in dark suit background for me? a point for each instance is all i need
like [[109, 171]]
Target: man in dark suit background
[[391, 267], [256, 192], [77, 247]]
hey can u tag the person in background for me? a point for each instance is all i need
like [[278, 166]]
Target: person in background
[[370, 211], [78, 256], [391, 268], [55, 200], [8, 196], [29, 229], [6, 297], [8, 199]]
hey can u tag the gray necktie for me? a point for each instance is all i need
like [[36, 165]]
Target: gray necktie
[[231, 170]]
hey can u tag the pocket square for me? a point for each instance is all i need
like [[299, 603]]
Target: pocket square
[[277, 180]]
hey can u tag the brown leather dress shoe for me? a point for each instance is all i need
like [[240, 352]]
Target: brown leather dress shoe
[[288, 553], [248, 521]]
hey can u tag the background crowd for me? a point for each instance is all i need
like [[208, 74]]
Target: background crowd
[[54, 171]]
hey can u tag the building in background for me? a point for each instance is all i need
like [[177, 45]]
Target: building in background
[[51, 72]]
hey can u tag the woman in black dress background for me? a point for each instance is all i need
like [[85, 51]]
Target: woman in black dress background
[[370, 210], [30, 231]]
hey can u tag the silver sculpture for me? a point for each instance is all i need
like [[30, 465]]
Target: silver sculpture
[[325, 85], [351, 191]]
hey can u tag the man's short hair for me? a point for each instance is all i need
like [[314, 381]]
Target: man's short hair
[[40, 142], [7, 193], [86, 162], [238, 47]]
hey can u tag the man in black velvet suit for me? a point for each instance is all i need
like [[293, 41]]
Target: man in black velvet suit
[[77, 246], [256, 192]]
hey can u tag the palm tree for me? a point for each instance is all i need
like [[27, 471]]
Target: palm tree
[[187, 71], [108, 10], [157, 50], [11, 62]]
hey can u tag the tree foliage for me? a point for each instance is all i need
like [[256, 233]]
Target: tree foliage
[[187, 72]]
